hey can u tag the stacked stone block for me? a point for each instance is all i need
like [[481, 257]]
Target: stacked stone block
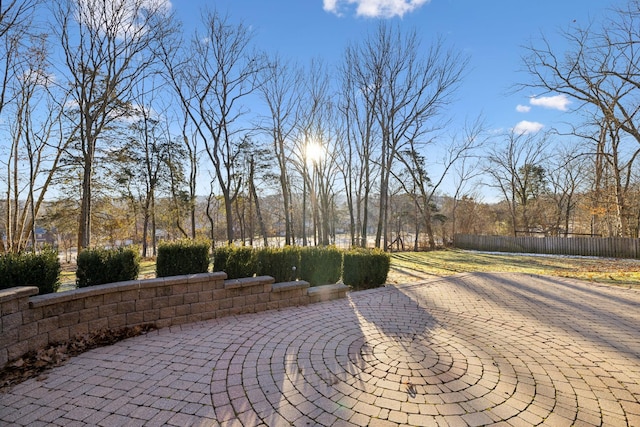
[[29, 321]]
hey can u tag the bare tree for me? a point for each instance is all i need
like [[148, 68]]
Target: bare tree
[[37, 141], [349, 166], [280, 92], [423, 188], [567, 173], [212, 79], [405, 91], [18, 44], [599, 70], [513, 164], [314, 151], [466, 170], [615, 160], [254, 199], [181, 199], [190, 153], [254, 162], [107, 45], [16, 17], [147, 151], [324, 173], [360, 153]]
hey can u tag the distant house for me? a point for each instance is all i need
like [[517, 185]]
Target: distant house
[[45, 237]]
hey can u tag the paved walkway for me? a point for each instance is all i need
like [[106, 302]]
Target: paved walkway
[[469, 350]]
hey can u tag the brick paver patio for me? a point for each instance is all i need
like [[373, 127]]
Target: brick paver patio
[[469, 350]]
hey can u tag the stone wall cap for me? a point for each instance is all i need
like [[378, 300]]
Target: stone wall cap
[[248, 282], [205, 277], [336, 287], [17, 292], [80, 293], [289, 286]]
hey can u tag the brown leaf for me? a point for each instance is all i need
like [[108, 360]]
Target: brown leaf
[[33, 363]]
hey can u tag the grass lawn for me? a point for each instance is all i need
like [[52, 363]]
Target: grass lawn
[[411, 266]]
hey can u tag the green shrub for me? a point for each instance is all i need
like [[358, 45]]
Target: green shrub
[[220, 257], [99, 266], [280, 263], [31, 269], [320, 265], [364, 268], [182, 257], [236, 261]]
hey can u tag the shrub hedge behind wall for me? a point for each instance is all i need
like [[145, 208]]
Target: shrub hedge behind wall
[[365, 268], [359, 268], [100, 266], [31, 269], [182, 257]]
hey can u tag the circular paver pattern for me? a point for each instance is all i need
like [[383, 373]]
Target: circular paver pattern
[[468, 350]]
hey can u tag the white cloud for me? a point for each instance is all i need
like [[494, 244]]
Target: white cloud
[[330, 6], [525, 126], [558, 102], [39, 77], [375, 8], [523, 108], [120, 16]]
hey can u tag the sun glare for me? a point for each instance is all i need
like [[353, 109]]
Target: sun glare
[[314, 152]]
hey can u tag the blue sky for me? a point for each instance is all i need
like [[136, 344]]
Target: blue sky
[[491, 32]]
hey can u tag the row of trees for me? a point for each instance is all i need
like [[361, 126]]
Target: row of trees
[[113, 118]]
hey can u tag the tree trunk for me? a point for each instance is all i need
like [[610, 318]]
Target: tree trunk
[[154, 243], [263, 228], [84, 230], [228, 212], [211, 220], [365, 211], [286, 201], [145, 232], [382, 209]]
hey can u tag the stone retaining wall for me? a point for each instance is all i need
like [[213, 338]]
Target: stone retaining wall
[[29, 321]]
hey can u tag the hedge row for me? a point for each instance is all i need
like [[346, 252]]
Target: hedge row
[[182, 257], [359, 268], [30, 269], [100, 266], [364, 268]]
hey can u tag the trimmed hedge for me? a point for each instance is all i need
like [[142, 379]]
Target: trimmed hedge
[[100, 266], [320, 265], [31, 269], [283, 264], [359, 268], [182, 257], [236, 261], [220, 256], [365, 268]]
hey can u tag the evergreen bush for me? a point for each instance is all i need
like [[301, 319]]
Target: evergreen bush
[[182, 257], [220, 256], [365, 268], [100, 266], [282, 264], [31, 269], [236, 261], [320, 265]]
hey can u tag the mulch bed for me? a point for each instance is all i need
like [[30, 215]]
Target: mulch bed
[[34, 364]]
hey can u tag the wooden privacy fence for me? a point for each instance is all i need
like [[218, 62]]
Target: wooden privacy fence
[[613, 247]]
